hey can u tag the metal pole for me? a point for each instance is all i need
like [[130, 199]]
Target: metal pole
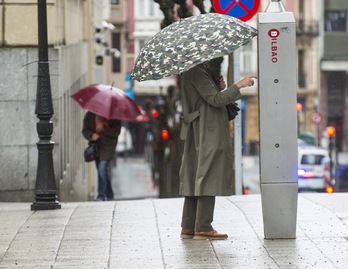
[[238, 132], [45, 185], [331, 144]]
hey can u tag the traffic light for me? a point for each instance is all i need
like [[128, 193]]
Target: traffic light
[[298, 107], [165, 134], [154, 113], [331, 131]]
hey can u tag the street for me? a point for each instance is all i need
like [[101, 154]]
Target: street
[[132, 177], [251, 176]]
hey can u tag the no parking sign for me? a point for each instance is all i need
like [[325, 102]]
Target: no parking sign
[[316, 117], [241, 9]]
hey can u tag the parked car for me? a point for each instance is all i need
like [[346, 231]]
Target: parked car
[[314, 170]]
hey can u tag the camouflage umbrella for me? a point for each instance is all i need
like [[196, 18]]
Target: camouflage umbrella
[[189, 42]]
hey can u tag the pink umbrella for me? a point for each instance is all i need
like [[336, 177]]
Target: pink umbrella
[[107, 101]]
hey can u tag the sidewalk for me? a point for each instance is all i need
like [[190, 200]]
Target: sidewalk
[[145, 234], [132, 179]]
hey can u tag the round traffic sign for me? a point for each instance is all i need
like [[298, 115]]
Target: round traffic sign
[[316, 117], [241, 9]]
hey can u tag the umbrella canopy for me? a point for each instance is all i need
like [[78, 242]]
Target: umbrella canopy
[[107, 101], [189, 42]]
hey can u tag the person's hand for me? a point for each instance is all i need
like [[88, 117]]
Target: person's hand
[[246, 82], [95, 137], [220, 82], [99, 127], [232, 110]]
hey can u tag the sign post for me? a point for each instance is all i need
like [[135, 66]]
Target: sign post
[[243, 10], [316, 118], [277, 120]]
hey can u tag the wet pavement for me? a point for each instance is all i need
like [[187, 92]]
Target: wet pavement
[[145, 233], [131, 179]]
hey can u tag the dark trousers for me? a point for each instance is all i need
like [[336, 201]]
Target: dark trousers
[[198, 213]]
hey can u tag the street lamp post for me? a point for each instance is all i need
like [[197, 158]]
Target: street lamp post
[[45, 185]]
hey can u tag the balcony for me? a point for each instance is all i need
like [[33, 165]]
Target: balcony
[[307, 28]]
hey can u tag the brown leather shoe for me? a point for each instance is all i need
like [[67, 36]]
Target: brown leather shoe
[[187, 233], [213, 235]]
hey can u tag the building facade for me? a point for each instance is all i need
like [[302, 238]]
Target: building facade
[[135, 22], [333, 101], [308, 90], [147, 20], [118, 48], [70, 27]]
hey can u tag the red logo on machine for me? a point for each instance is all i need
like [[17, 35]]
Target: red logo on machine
[[274, 34]]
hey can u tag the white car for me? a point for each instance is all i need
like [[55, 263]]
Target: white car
[[313, 169]]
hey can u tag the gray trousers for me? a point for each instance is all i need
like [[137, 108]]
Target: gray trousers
[[198, 213]]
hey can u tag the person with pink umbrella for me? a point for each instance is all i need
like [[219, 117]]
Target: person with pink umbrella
[[107, 106], [104, 133]]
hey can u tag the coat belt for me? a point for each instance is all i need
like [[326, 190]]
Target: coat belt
[[186, 121]]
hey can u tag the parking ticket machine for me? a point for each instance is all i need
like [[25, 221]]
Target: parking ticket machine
[[277, 120]]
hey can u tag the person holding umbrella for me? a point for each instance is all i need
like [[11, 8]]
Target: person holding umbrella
[[107, 106], [206, 168], [97, 129], [184, 48]]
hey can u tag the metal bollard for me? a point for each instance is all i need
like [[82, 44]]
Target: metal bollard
[[277, 118]]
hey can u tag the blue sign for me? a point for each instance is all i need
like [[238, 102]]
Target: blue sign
[[128, 89], [241, 9]]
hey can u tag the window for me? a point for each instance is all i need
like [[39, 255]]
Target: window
[[141, 8], [335, 91], [114, 2], [146, 8], [141, 43], [301, 69], [247, 58], [116, 43], [336, 21], [312, 159], [301, 17], [152, 8]]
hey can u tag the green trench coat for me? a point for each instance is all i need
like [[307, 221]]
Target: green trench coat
[[207, 163]]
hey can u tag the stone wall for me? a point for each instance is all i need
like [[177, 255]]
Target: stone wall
[[70, 69], [18, 135], [74, 182]]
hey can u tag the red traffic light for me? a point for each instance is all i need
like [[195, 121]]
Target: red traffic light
[[154, 113], [331, 131], [165, 134]]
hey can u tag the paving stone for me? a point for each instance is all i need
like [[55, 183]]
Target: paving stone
[[146, 234]]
